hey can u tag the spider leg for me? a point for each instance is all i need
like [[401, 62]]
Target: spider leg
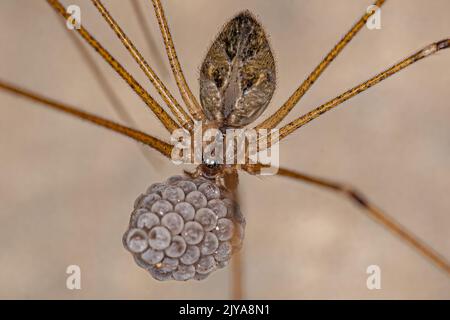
[[186, 93], [110, 94], [283, 111], [421, 54], [145, 28], [162, 115], [182, 117], [372, 211], [159, 145], [237, 270], [237, 291], [317, 112]]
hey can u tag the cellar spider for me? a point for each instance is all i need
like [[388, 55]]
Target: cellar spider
[[151, 141]]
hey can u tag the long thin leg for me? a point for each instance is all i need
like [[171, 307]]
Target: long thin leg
[[237, 270], [358, 199], [425, 52], [283, 111], [315, 113], [186, 93], [145, 28], [162, 115], [110, 94], [182, 117], [159, 145]]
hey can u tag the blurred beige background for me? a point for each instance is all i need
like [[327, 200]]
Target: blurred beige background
[[67, 187]]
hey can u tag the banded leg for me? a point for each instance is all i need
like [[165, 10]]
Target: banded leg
[[186, 93], [162, 115], [372, 211], [284, 110], [145, 28], [421, 54], [159, 145], [182, 117], [237, 269]]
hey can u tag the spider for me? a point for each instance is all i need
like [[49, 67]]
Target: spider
[[179, 116]]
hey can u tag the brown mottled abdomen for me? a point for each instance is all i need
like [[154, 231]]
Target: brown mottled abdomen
[[237, 77]]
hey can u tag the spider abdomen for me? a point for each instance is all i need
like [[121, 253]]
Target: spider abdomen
[[184, 229], [237, 77]]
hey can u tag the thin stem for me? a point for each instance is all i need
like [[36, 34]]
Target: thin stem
[[181, 116], [161, 146], [162, 115], [284, 110], [186, 93]]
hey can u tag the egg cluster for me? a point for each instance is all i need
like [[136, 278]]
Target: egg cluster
[[184, 229]]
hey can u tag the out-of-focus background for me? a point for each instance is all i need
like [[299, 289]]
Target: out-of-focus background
[[67, 187]]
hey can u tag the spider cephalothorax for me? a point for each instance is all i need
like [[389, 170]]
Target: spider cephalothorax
[[184, 228]]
